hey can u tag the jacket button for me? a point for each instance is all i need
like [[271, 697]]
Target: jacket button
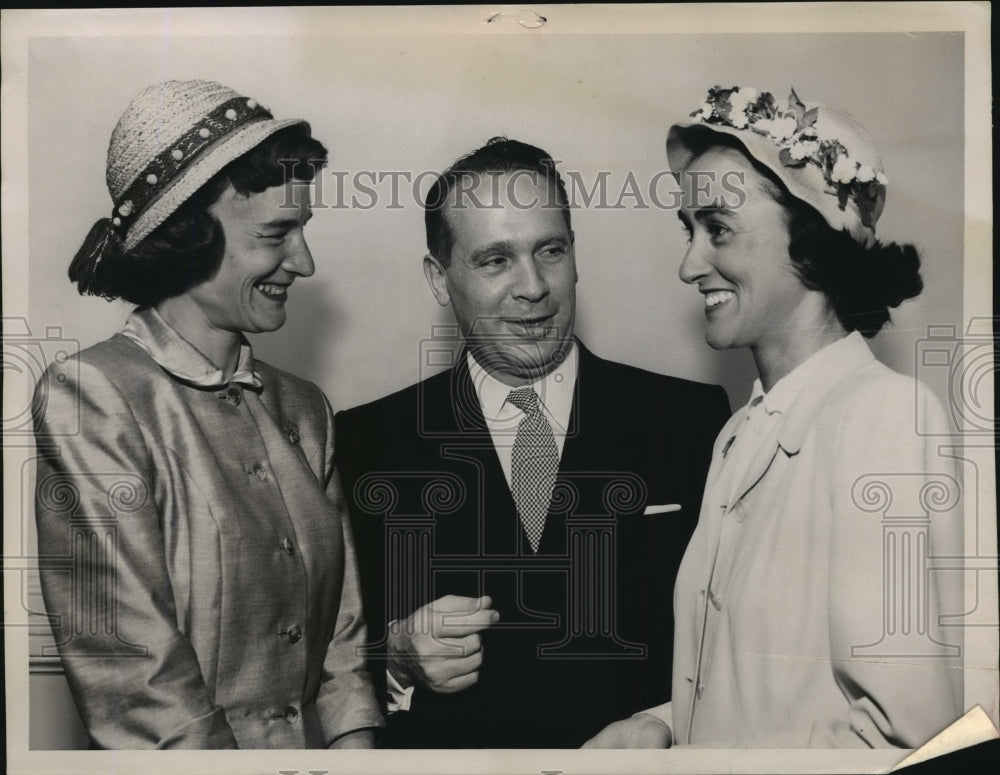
[[291, 715], [740, 512], [293, 434], [700, 691], [258, 472], [716, 601], [234, 397], [294, 633], [287, 546]]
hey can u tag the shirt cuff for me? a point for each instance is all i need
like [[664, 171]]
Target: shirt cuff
[[399, 698]]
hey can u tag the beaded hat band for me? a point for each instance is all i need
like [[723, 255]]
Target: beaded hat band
[[170, 141], [822, 155]]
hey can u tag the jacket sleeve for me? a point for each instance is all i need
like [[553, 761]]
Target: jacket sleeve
[[357, 450], [133, 674], [896, 501], [346, 700]]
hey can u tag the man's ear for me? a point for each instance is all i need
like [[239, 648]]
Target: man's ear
[[434, 271], [572, 242]]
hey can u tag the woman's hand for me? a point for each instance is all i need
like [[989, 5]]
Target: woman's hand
[[359, 738], [641, 731]]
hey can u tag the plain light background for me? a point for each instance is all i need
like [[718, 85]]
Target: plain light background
[[385, 103]]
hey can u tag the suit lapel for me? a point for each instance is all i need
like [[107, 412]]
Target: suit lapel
[[591, 424], [500, 531], [574, 449]]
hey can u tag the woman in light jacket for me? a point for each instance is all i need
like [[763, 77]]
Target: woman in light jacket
[[198, 559], [806, 615]]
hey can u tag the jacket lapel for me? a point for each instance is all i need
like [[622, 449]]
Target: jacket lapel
[[574, 447], [500, 531], [761, 461]]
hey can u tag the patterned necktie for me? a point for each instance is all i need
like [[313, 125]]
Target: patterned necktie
[[534, 464]]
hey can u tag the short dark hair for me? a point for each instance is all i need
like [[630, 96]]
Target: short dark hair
[[498, 156], [188, 247], [862, 283]]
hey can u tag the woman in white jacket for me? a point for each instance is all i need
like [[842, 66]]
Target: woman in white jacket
[[806, 613]]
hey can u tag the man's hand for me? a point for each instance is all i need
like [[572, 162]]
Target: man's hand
[[438, 646], [640, 731]]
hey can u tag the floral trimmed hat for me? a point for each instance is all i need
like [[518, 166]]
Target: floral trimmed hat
[[821, 154]]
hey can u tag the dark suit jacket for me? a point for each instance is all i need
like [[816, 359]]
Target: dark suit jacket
[[586, 625]]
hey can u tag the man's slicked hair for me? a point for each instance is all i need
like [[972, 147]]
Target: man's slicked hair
[[499, 156]]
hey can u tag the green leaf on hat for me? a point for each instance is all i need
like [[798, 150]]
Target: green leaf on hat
[[767, 105], [870, 203], [796, 106], [843, 190]]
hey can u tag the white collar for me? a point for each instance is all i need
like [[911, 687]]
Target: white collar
[[555, 392], [784, 392]]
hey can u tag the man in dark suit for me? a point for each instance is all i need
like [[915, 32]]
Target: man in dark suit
[[519, 518]]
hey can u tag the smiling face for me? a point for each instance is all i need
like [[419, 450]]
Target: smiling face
[[265, 251], [738, 257], [512, 276]]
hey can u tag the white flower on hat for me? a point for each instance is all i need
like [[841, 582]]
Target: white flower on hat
[[843, 170], [823, 136], [783, 128], [865, 174], [799, 151], [738, 101]]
